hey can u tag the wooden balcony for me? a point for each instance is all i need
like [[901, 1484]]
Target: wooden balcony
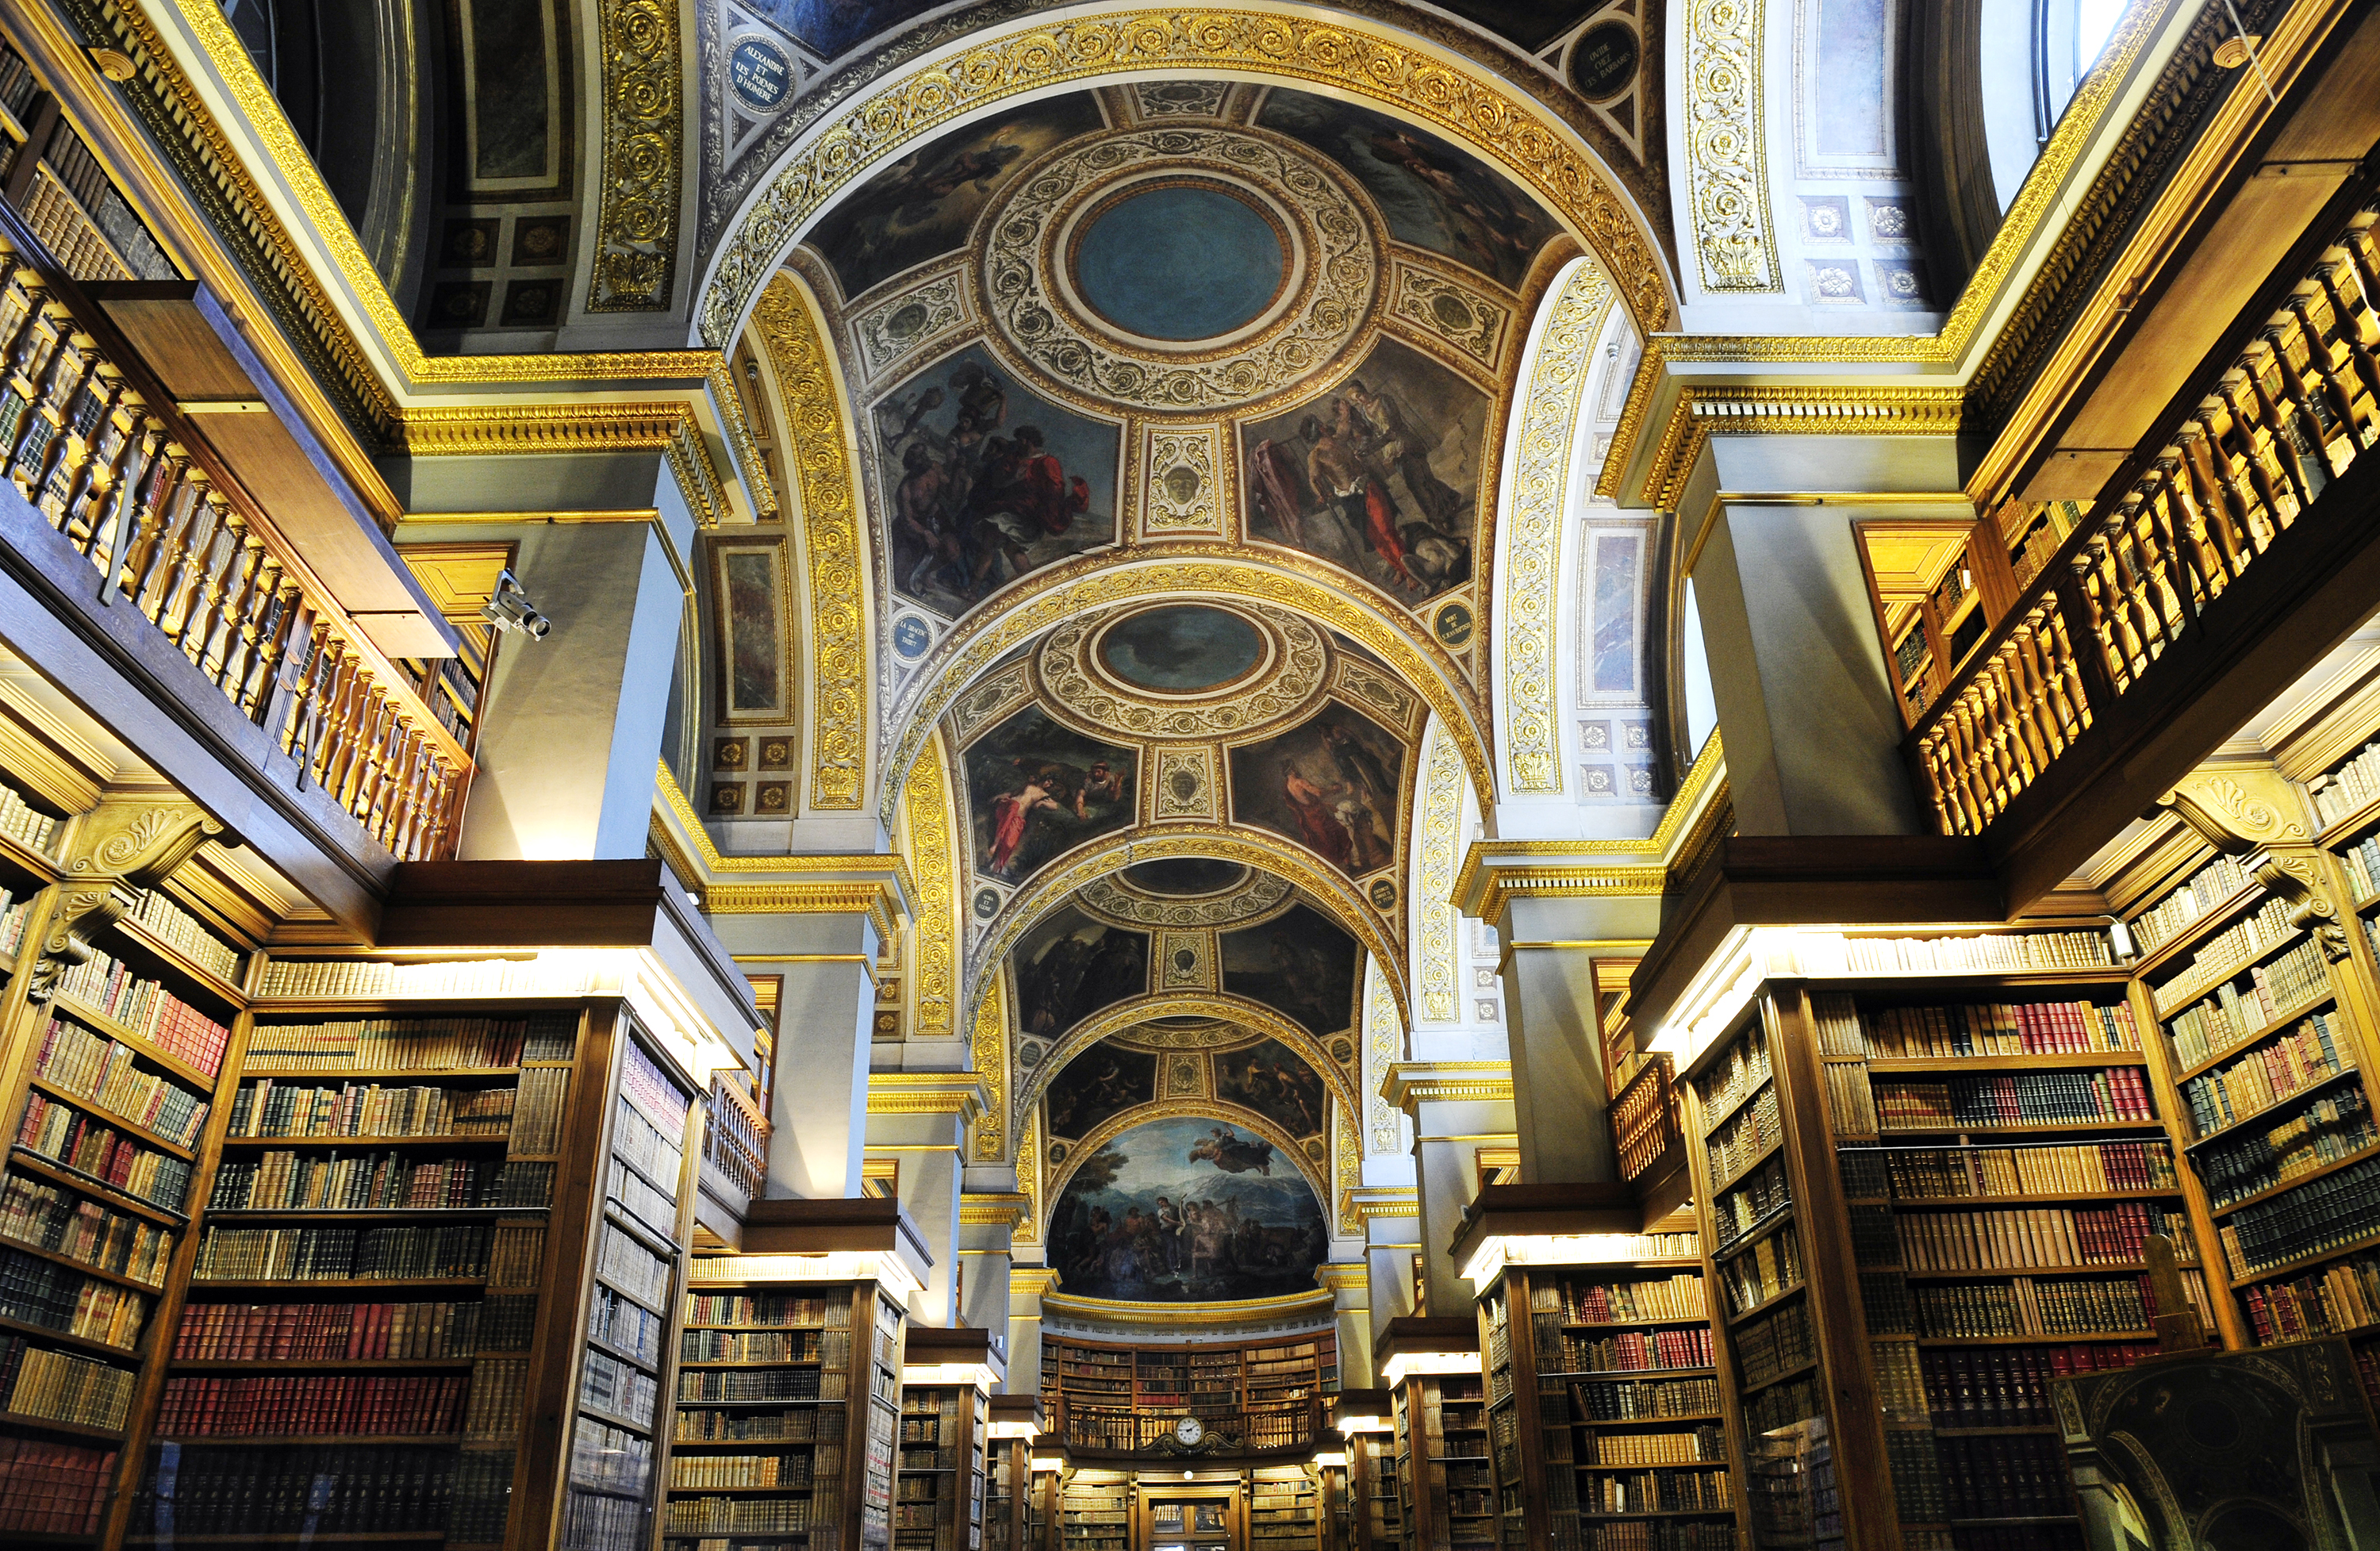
[[1288, 1433], [2233, 547], [283, 610], [735, 1145]]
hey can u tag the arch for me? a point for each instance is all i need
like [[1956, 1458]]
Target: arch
[[1208, 1109], [930, 845], [1201, 570], [1221, 1006], [1535, 502], [1390, 70], [1255, 848], [1437, 849], [1384, 1046]]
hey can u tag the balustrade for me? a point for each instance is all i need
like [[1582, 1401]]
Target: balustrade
[[736, 1138], [2220, 490], [117, 469]]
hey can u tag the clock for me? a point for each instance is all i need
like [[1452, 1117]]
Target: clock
[[1189, 1432]]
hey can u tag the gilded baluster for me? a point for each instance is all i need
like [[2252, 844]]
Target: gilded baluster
[[402, 786], [2067, 676], [193, 538], [2285, 428], [2040, 685], [1931, 760], [2208, 574], [241, 601], [33, 351], [2352, 330], [2023, 691], [1966, 766], [116, 508], [2265, 517], [178, 532], [256, 623], [281, 617], [2172, 598], [2136, 627], [384, 759], [339, 728], [2338, 395], [2227, 509], [90, 467], [151, 504], [303, 730], [215, 584], [30, 462], [364, 773]]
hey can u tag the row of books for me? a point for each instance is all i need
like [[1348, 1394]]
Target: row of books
[[821, 1424], [2037, 1236], [2340, 792], [78, 1061], [1742, 1138], [2019, 1477], [309, 1490], [2292, 1063], [24, 823], [376, 1181], [2015, 1098], [91, 1147], [406, 1044], [2362, 861], [1769, 1347], [278, 1108], [2234, 1012], [1823, 954], [1994, 1029], [609, 1459], [1850, 1103], [55, 1297], [739, 1515], [1735, 1073], [1630, 1352], [2220, 956], [650, 1206], [179, 930], [626, 1325], [2340, 1297], [361, 979], [766, 1310], [627, 1265], [2219, 879], [16, 909], [1770, 1267], [311, 1404], [1657, 1535], [600, 1522], [1685, 1446], [2334, 1124], [697, 1385], [2048, 1169], [2323, 1214], [700, 1471], [42, 1215], [639, 1143], [360, 1332], [2036, 1306], [63, 1386], [499, 1390], [654, 1090], [1605, 1302], [1736, 1210], [110, 988], [765, 1346], [1696, 1490], [342, 1253], [2009, 1386], [617, 1389], [53, 1488], [1645, 1399]]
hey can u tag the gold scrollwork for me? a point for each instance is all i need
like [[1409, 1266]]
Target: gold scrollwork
[[1116, 899], [1440, 819], [123, 849], [1726, 147], [1448, 309], [1531, 573], [933, 854], [636, 227], [1384, 1046], [991, 1065], [1081, 692], [1179, 491], [838, 648]]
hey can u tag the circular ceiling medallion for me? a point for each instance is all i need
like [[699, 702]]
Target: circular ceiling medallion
[[1180, 259], [1182, 876], [1182, 649], [1122, 898], [1100, 670], [1285, 289]]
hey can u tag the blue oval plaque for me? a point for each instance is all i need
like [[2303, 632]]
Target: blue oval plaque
[[760, 74]]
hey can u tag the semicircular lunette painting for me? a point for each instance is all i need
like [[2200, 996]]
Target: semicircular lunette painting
[[1187, 1209]]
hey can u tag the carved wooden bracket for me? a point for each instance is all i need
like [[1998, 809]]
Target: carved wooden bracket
[[2247, 821], [125, 847]]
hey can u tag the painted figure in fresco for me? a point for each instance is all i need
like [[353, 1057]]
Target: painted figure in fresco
[[1056, 978], [1169, 1231], [1233, 1153], [1392, 444], [1494, 237], [1336, 468], [1358, 766], [1106, 784], [1317, 826], [1282, 496], [1044, 790]]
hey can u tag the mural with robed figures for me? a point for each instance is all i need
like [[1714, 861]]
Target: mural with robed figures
[[1187, 1209], [1335, 784], [1381, 477], [1097, 1086], [1036, 788], [1068, 968], [1275, 1082], [1432, 195], [1300, 963], [921, 206], [984, 480]]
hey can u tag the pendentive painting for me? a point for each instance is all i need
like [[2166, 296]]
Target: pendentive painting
[[921, 206], [750, 584], [1299, 963], [1068, 968], [1097, 1086], [1333, 784], [1187, 1209], [1275, 1082], [1432, 195], [1381, 477], [983, 480], [1036, 788]]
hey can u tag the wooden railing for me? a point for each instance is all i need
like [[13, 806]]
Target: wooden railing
[[1643, 1114], [1290, 1428], [736, 1138], [93, 442], [2211, 496]]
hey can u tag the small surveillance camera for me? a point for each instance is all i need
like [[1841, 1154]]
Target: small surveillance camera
[[510, 609]]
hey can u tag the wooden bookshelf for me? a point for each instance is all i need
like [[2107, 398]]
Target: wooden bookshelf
[[1284, 1508], [1254, 1396], [945, 1443], [1095, 1510], [1013, 1423]]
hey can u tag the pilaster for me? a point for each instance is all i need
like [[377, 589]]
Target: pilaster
[[1456, 1108], [921, 1118], [1027, 1284]]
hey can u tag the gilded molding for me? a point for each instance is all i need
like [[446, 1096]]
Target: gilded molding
[[820, 455], [993, 1210], [123, 849], [741, 447], [498, 429], [1384, 1046], [1296, 675], [1441, 820], [1389, 1203], [1446, 308], [1117, 900], [990, 1046], [926, 1093], [1341, 56], [1411, 1084], [1702, 412], [1700, 796], [1347, 1169], [643, 141], [932, 862], [1530, 582], [1202, 570], [1341, 1276], [1727, 139], [1178, 1316], [1028, 1174], [1179, 492], [874, 900]]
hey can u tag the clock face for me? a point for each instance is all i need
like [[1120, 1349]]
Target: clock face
[[1188, 1431]]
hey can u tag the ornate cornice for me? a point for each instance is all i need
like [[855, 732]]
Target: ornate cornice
[[876, 886], [926, 1093], [1495, 870], [988, 1209], [1389, 1203], [1701, 412], [1341, 56], [1246, 1311], [489, 430], [1343, 1276], [1410, 1085]]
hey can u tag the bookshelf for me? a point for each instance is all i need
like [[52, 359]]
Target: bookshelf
[[1284, 1508], [1260, 1396], [1445, 1489], [1013, 1423], [1095, 1510], [1371, 1517], [945, 1443]]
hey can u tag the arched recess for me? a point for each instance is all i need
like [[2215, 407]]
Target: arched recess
[[1255, 848], [1219, 1006], [1388, 69], [1543, 440], [1283, 1144], [1437, 852], [929, 843], [1385, 1128], [837, 677], [1192, 571]]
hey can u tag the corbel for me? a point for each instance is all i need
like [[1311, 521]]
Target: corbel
[[2249, 821], [123, 849]]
